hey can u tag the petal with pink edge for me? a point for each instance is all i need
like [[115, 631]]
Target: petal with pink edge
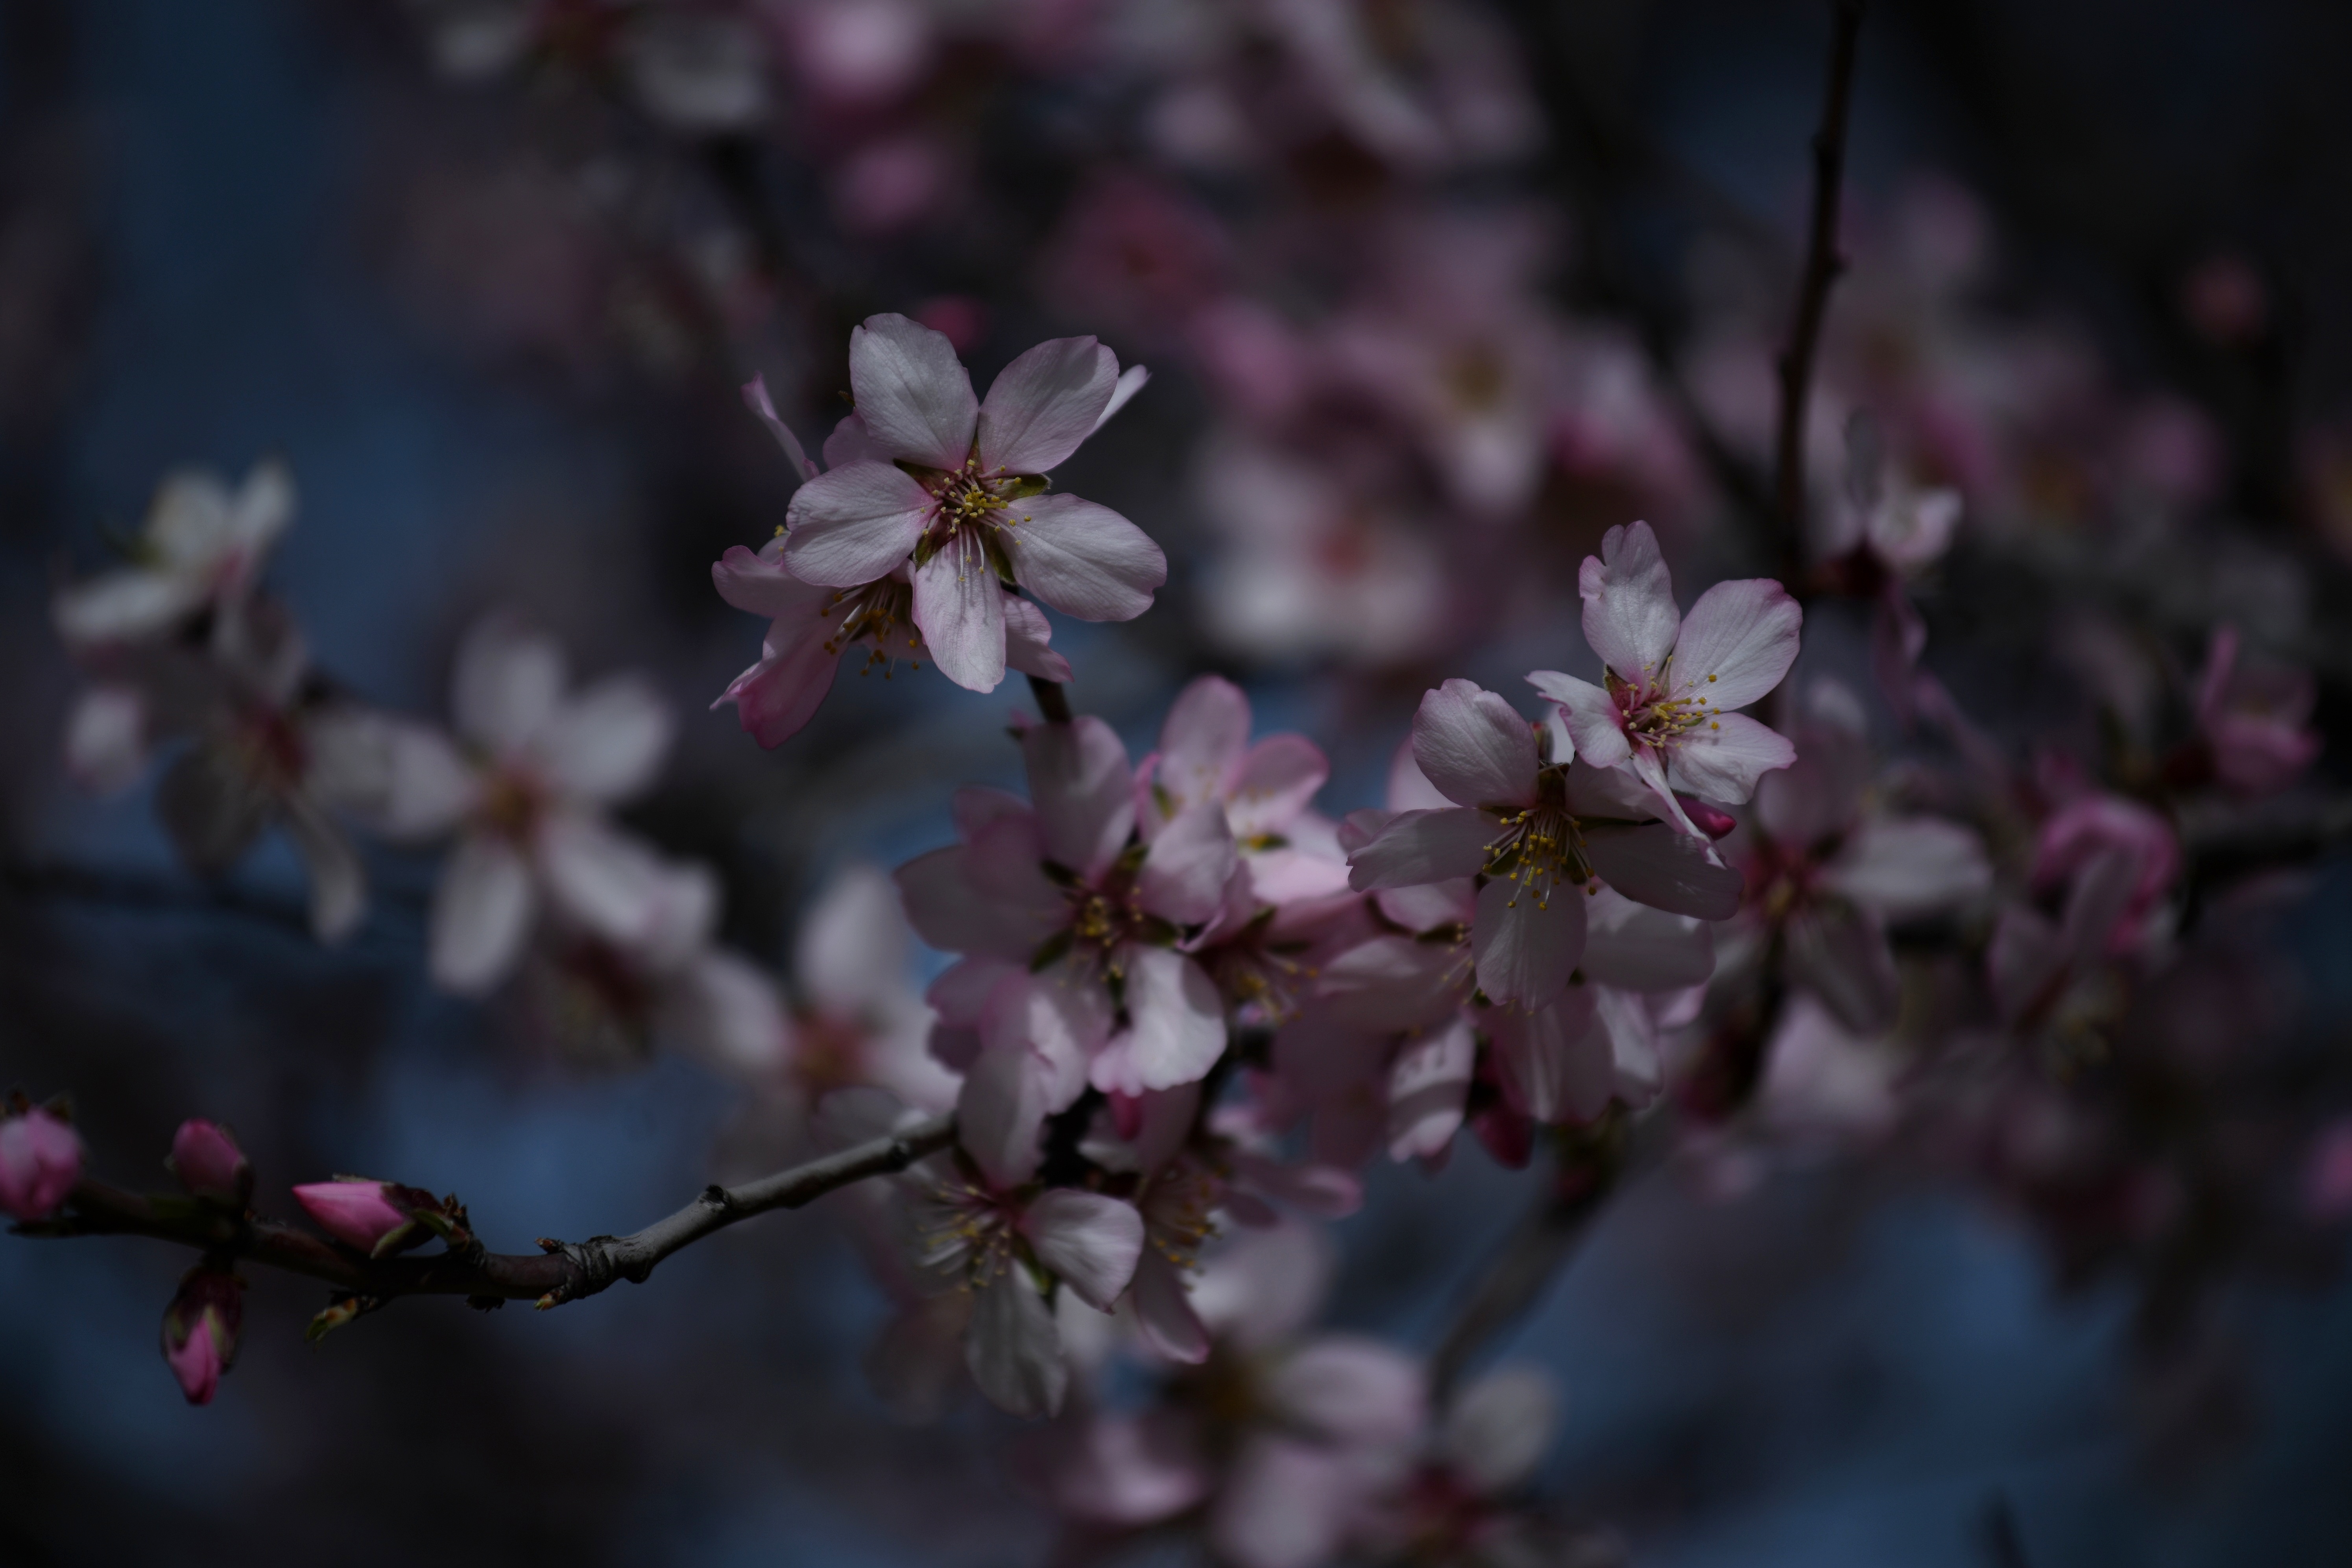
[[1429, 1087], [855, 523], [1001, 1112], [1090, 1240], [761, 583], [1163, 1311], [1736, 642], [775, 699], [1723, 759], [1082, 559], [1595, 725], [1044, 404], [1630, 618], [1474, 746], [1554, 1065], [960, 608], [1028, 639], [912, 392]]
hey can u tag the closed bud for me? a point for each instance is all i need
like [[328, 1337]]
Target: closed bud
[[373, 1216], [205, 1158], [40, 1161], [200, 1330]]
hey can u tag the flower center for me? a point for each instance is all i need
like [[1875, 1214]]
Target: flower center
[[876, 613], [1541, 846], [969, 1232], [1654, 718]]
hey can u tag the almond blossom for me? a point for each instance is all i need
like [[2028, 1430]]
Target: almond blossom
[[953, 490], [1672, 682], [1070, 926], [524, 786], [203, 546], [1541, 836], [812, 630]]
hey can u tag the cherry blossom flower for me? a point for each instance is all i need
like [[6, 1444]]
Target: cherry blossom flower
[[982, 1226], [525, 787], [953, 490], [1544, 836], [1674, 682], [40, 1161], [203, 546], [1069, 925]]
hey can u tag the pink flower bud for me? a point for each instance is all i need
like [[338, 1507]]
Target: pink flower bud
[[362, 1214], [205, 1158], [40, 1161], [200, 1330], [1706, 818]]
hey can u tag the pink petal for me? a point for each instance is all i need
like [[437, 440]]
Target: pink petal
[[1060, 1018], [853, 524], [761, 583], [1184, 874], [1636, 947], [1408, 788], [481, 912], [1723, 758], [960, 608], [1044, 404], [1528, 946], [1084, 560], [850, 953], [1179, 1021], [1902, 868], [1352, 1392], [1736, 643], [1001, 1112], [1471, 745], [1429, 1085], [756, 399], [1084, 790], [1090, 1240], [1119, 1470], [723, 1009], [1276, 779], [775, 699], [1665, 869], [1819, 796], [1284, 1504], [509, 680], [1202, 738], [1027, 642], [1392, 982], [40, 1161], [607, 743], [1163, 1311], [1630, 618], [1132, 380], [1423, 847], [1595, 725], [1554, 1065], [851, 442], [912, 393], [1013, 1349]]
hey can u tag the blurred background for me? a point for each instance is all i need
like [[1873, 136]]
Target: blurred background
[[1433, 294]]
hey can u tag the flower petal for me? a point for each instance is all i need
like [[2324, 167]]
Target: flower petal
[[1001, 1111], [1044, 404], [1723, 760], [1090, 1240], [1202, 740], [1527, 945], [1163, 1311], [481, 912], [1841, 956], [960, 608], [1495, 1431], [1595, 725], [1179, 1021], [1901, 867], [1656, 865], [1028, 637], [1473, 747], [912, 392], [607, 743], [508, 682], [1555, 1064], [1013, 1349], [756, 399], [1421, 847], [852, 524], [1630, 618], [850, 953], [775, 699], [1132, 380], [1084, 792], [1636, 947], [1184, 873], [1429, 1087], [1736, 643], [1084, 560], [762, 584]]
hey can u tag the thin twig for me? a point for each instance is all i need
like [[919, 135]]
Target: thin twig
[[1823, 262], [562, 1272]]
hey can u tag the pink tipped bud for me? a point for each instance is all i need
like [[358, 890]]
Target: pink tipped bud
[[1708, 819], [40, 1161], [200, 1330], [205, 1158], [363, 1214]]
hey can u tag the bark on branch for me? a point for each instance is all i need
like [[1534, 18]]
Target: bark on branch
[[560, 1271]]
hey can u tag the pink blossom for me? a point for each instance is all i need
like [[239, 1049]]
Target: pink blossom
[[1543, 835], [2255, 718], [953, 489], [204, 544], [371, 1216], [1071, 928], [40, 1161], [1672, 682], [205, 1158], [200, 1330]]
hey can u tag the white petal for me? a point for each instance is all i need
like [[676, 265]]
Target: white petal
[[960, 608], [509, 680], [1132, 380], [1595, 725], [1163, 1311], [1630, 618], [1090, 1240], [850, 953], [1736, 642], [1001, 1111], [1723, 758], [912, 392], [1528, 946], [1202, 740], [1179, 1022], [1013, 1348], [1636, 947], [1904, 868], [1028, 639], [106, 739], [338, 881], [1044, 404], [1084, 792], [1840, 955], [1498, 1428], [1555, 1064], [1082, 559], [481, 912], [756, 399], [1353, 1391], [1665, 869], [607, 743], [1474, 746], [1429, 1085], [1422, 847], [1185, 871], [853, 524], [722, 1010]]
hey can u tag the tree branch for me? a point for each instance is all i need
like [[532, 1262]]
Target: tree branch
[[1053, 699], [560, 1271], [1823, 262]]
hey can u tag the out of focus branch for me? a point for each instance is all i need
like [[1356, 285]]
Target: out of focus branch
[[1823, 262], [1053, 699], [560, 1271]]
